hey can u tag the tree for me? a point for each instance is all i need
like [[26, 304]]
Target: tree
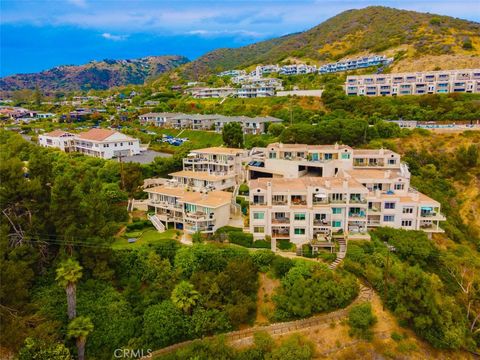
[[184, 296], [232, 135], [163, 324], [79, 329], [361, 319], [68, 275], [42, 350]]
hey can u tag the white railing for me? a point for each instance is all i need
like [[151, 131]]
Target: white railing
[[156, 223]]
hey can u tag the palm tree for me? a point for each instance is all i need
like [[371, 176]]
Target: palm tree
[[68, 274], [184, 296], [79, 329]]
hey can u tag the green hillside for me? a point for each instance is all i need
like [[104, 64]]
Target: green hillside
[[407, 35]]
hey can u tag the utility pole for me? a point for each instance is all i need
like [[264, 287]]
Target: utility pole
[[121, 171]]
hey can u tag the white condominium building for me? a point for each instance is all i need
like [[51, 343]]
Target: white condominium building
[[353, 64], [207, 93], [419, 83], [304, 192], [188, 210], [217, 161], [102, 143]]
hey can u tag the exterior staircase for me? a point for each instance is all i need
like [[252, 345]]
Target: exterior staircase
[[156, 223], [342, 251], [237, 207]]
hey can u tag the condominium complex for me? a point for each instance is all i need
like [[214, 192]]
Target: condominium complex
[[208, 93], [419, 83], [214, 122], [195, 199], [254, 91], [102, 143], [307, 192], [353, 64], [232, 73]]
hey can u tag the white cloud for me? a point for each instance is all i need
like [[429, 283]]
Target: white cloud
[[112, 37], [215, 33]]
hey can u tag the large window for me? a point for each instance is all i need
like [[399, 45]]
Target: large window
[[407, 223], [389, 205], [299, 216], [388, 218], [336, 224], [408, 210], [336, 210], [258, 229], [299, 231], [259, 215]]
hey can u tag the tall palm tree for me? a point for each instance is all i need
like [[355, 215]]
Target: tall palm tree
[[184, 296], [79, 328], [68, 274]]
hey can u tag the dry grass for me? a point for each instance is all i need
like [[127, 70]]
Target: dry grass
[[265, 305]]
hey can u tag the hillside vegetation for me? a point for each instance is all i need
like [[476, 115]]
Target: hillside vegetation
[[95, 75], [407, 35]]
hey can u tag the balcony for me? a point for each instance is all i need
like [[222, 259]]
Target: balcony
[[281, 233], [321, 222], [358, 200], [199, 216], [279, 201], [298, 200], [360, 215], [280, 220]]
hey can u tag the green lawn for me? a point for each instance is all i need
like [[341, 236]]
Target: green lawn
[[150, 236]]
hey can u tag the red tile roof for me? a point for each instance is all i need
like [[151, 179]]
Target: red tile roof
[[96, 134]]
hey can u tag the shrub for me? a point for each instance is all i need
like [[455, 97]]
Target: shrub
[[281, 266], [243, 189], [241, 238], [285, 244], [261, 244], [361, 319], [263, 259]]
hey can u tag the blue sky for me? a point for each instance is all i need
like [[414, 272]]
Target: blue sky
[[37, 35]]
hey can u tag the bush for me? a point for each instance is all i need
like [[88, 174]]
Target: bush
[[361, 319], [241, 238], [285, 244], [243, 189], [281, 266], [261, 244], [263, 259], [139, 225]]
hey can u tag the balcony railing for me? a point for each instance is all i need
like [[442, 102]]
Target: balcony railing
[[298, 201], [319, 222], [258, 203], [281, 220], [280, 202], [358, 201]]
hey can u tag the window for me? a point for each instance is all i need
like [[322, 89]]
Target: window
[[388, 218], [389, 205], [345, 156], [399, 186], [299, 216], [258, 229], [259, 215], [337, 197], [336, 210], [392, 161], [407, 223], [408, 210], [328, 156], [336, 223], [299, 231]]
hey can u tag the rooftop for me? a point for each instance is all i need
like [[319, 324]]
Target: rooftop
[[212, 199], [201, 175], [218, 150], [57, 133], [98, 134], [301, 184]]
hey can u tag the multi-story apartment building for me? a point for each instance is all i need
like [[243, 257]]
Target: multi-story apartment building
[[214, 122], [419, 83], [188, 210], [353, 64], [254, 91], [102, 143], [58, 139], [297, 69], [217, 161], [232, 73], [207, 93], [303, 192]]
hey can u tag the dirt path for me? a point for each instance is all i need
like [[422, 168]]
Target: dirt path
[[244, 337], [265, 304]]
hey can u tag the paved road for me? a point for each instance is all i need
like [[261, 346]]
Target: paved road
[[145, 157]]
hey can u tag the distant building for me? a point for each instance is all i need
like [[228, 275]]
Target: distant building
[[317, 93], [353, 64], [254, 91], [297, 69], [151, 103], [44, 115], [207, 93], [419, 83], [232, 73], [102, 143]]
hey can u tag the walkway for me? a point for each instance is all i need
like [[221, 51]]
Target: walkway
[[245, 337]]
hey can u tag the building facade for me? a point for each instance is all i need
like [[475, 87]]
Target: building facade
[[353, 64], [102, 143], [419, 83], [307, 192]]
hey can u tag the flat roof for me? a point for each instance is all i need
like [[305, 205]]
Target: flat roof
[[306, 147], [219, 150], [211, 199], [374, 174], [57, 133], [301, 184], [201, 175]]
